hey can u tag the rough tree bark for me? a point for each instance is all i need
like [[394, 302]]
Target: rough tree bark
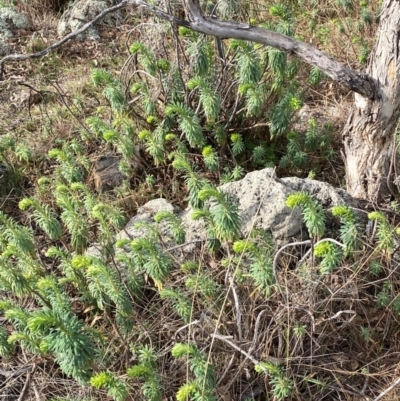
[[368, 137]]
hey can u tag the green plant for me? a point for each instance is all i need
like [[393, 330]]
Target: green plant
[[193, 180], [206, 288], [112, 88], [72, 163], [299, 330], [349, 230], [314, 146], [147, 255], [146, 371], [15, 235], [180, 302], [384, 297], [202, 387], [366, 334], [174, 223], [210, 158], [223, 214], [258, 248], [6, 349], [209, 98], [282, 386], [55, 329], [74, 217], [45, 217], [71, 273], [105, 285], [330, 255], [237, 144], [384, 232], [313, 213], [116, 388]]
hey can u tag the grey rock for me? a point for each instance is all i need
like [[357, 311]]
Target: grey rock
[[261, 197], [323, 192], [145, 214], [83, 11], [10, 20], [107, 175]]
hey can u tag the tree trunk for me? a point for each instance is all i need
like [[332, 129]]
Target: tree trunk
[[369, 135]]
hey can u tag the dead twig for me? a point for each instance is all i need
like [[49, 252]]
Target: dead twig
[[10, 373], [227, 339], [24, 391], [237, 306], [280, 250], [390, 388]]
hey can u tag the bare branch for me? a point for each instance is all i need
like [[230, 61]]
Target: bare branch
[[354, 80], [280, 250]]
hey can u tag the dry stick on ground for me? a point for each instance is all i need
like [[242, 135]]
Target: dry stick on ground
[[24, 394], [227, 340], [390, 388], [280, 250], [232, 287]]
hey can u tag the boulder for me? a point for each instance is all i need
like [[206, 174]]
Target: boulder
[[145, 214], [261, 196], [83, 11], [10, 21]]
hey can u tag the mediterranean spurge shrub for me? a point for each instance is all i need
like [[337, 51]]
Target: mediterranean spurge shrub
[[45, 218], [223, 214], [146, 371], [202, 387], [313, 213], [349, 230], [54, 329], [258, 248]]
